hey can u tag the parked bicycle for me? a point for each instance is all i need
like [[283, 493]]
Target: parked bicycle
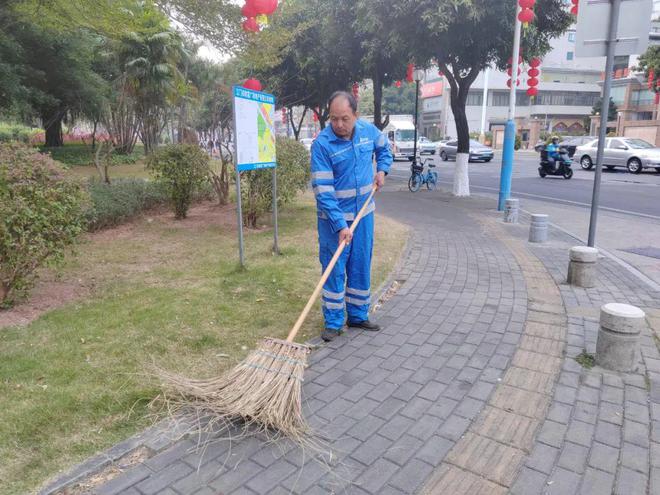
[[419, 178]]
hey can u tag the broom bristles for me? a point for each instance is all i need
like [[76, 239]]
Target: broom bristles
[[264, 390]]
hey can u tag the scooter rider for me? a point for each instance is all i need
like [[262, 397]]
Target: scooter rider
[[553, 152]]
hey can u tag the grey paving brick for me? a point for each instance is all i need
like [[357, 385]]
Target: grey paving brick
[[559, 412], [453, 428], [199, 477], [635, 457], [371, 450], [542, 458], [124, 481], [171, 455], [586, 412], [425, 426], [654, 481], [596, 482], [382, 391], [306, 476], [366, 427], [580, 432], [604, 457], [612, 413], [562, 482], [376, 476], [362, 408], [235, 477], [434, 450], [481, 390], [636, 433], [396, 427], [612, 380], [411, 477], [469, 408], [162, 480], [629, 482], [565, 394], [573, 457], [552, 433], [636, 412], [637, 395], [529, 482], [608, 433], [416, 408], [268, 478], [406, 391], [401, 451], [432, 390]]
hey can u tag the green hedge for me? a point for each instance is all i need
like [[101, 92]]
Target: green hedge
[[122, 200], [17, 132], [75, 155]]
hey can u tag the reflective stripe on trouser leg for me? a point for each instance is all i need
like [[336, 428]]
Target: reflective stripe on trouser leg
[[332, 301], [358, 270]]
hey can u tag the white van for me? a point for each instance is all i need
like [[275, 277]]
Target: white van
[[401, 134]]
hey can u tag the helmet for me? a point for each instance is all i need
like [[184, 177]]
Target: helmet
[[555, 138]]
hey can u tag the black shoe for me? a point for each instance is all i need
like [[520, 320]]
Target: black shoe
[[329, 334], [364, 325]]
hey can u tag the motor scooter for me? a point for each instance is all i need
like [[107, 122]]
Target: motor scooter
[[561, 167]]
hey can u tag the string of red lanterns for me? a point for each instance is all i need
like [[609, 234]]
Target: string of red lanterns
[[509, 70], [533, 74], [574, 8], [256, 14], [526, 14], [409, 73]]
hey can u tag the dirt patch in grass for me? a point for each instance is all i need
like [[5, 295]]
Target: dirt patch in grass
[[55, 289]]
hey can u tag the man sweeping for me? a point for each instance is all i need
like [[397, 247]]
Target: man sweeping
[[343, 177]]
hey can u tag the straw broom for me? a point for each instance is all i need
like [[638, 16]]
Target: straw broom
[[265, 389]]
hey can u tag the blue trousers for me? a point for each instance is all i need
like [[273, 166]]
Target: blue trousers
[[348, 287]]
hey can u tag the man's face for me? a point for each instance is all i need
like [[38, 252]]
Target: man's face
[[342, 117]]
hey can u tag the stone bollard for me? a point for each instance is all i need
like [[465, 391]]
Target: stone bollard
[[511, 211], [582, 267], [618, 336], [538, 230]]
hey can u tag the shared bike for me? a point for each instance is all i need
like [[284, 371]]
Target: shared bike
[[419, 178]]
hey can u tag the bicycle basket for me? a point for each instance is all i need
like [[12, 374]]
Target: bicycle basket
[[416, 167]]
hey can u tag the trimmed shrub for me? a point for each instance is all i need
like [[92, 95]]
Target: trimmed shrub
[[122, 200], [41, 213], [17, 132], [82, 155], [293, 174], [182, 169]]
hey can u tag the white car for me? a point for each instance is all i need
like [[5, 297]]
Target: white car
[[425, 145], [307, 142], [631, 153]]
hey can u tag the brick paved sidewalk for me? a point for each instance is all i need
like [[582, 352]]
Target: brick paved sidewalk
[[471, 387]]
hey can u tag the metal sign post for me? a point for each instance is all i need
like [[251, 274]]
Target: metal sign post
[[602, 31], [254, 147]]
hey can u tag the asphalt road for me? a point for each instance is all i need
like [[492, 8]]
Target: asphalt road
[[621, 191]]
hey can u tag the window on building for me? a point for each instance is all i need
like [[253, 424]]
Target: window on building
[[642, 97], [644, 116], [569, 55], [500, 99], [618, 94], [571, 36], [474, 98], [567, 98]]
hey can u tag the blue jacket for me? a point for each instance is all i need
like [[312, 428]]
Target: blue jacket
[[342, 171], [553, 150]]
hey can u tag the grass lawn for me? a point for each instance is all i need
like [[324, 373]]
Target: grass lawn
[[74, 155], [75, 380]]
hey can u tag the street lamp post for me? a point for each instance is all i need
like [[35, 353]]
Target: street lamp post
[[418, 75], [510, 129]]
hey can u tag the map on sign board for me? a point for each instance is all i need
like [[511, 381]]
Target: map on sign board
[[254, 115]]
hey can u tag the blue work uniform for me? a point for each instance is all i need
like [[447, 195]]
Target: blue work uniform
[[342, 178]]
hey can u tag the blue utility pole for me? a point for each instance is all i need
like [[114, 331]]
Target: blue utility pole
[[510, 129]]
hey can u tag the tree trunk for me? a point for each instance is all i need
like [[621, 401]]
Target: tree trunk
[[96, 123], [53, 126], [378, 103], [296, 130]]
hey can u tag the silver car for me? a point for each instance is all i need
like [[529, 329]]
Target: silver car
[[478, 151], [634, 154]]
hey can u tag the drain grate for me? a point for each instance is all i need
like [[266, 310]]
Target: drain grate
[[650, 252]]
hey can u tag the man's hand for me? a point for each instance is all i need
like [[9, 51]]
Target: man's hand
[[345, 235], [379, 181]]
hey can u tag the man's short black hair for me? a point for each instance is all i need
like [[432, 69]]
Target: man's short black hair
[[345, 94]]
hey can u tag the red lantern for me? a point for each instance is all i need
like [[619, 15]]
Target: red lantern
[[532, 92], [535, 62], [657, 98], [574, 10], [250, 25], [532, 82], [650, 79], [356, 90], [441, 74], [526, 16], [508, 83], [398, 84], [315, 117], [266, 7], [526, 4], [533, 72], [249, 11], [253, 84], [520, 59], [284, 116], [508, 71], [409, 73]]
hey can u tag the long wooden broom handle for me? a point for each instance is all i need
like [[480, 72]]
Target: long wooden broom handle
[[328, 270]]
